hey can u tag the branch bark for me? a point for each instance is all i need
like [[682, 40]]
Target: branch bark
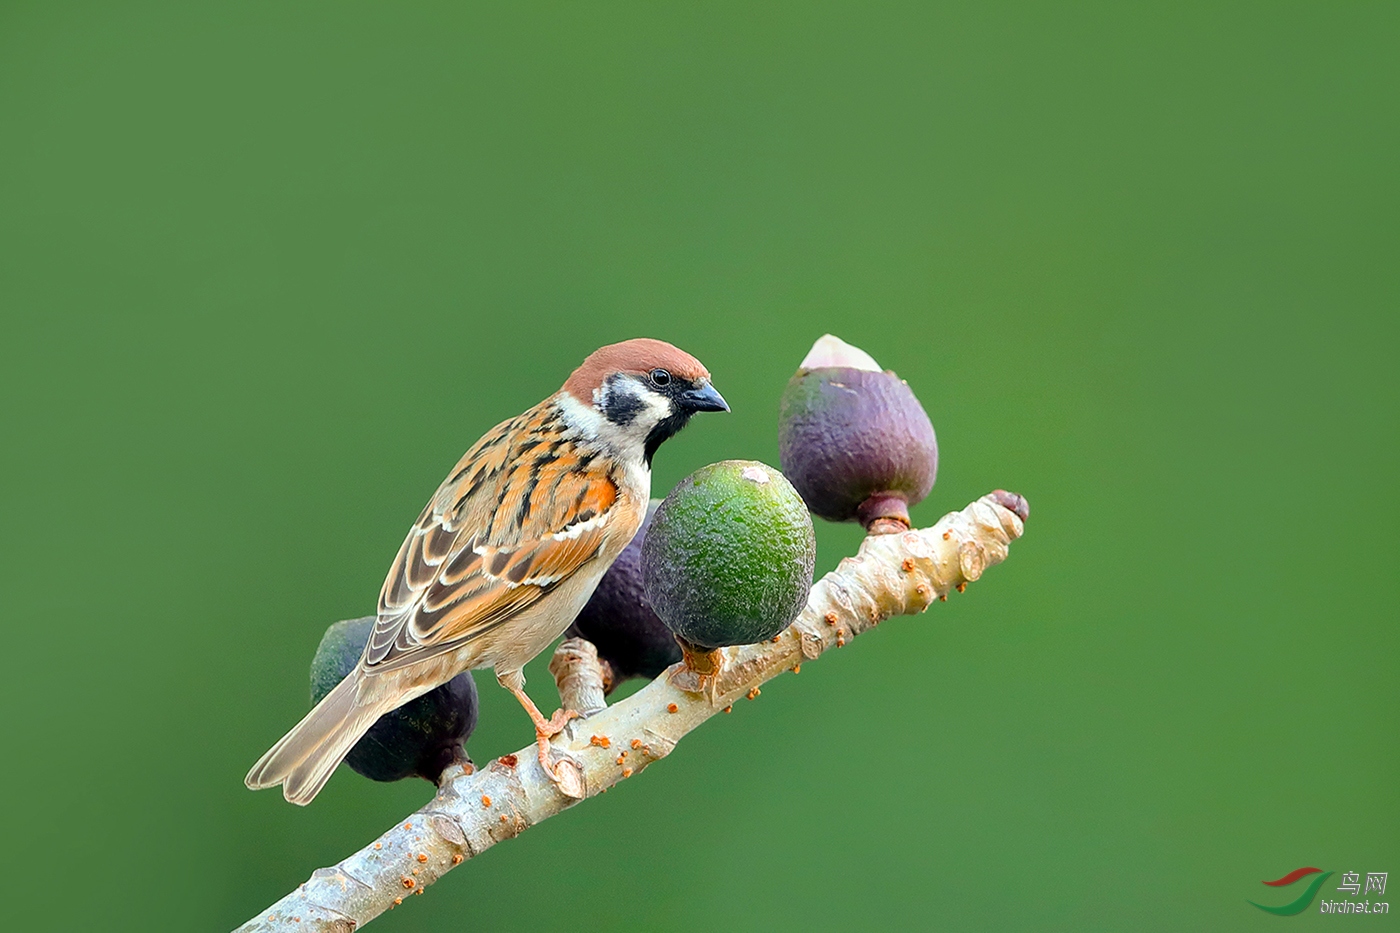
[[893, 574]]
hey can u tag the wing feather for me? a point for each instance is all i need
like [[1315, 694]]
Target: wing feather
[[522, 511]]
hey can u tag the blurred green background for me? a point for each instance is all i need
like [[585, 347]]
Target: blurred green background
[[266, 269]]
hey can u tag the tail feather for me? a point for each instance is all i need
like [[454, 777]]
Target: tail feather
[[304, 759]]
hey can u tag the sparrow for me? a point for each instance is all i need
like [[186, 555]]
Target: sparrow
[[507, 551]]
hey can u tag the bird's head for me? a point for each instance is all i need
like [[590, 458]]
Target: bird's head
[[635, 394]]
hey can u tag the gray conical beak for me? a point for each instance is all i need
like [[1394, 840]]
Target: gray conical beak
[[704, 398]]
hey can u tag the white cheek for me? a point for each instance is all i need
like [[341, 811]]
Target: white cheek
[[583, 418], [628, 440], [658, 410]]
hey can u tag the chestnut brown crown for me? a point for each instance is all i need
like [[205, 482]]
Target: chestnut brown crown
[[639, 355]]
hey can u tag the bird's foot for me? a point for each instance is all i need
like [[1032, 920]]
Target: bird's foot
[[548, 728], [566, 775], [564, 772]]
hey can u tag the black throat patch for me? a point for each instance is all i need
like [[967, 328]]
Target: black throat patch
[[665, 428]]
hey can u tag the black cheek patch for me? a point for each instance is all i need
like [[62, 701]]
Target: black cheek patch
[[623, 408]]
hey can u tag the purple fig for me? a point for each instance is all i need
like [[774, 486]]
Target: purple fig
[[420, 738], [854, 439], [618, 620]]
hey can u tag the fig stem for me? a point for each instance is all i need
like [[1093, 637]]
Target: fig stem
[[888, 525], [704, 661], [884, 513]]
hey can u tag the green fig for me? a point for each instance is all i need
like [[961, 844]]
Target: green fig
[[728, 558]]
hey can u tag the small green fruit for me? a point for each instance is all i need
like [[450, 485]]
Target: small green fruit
[[422, 737], [728, 559]]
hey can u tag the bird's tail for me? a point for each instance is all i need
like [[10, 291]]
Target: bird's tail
[[303, 759]]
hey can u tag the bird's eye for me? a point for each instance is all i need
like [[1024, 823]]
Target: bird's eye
[[660, 378]]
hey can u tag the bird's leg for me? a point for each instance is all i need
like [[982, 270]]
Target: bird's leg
[[545, 729]]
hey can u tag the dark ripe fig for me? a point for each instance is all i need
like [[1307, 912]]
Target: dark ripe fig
[[422, 737], [618, 620], [854, 440], [728, 559]]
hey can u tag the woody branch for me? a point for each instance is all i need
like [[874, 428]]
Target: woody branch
[[892, 574]]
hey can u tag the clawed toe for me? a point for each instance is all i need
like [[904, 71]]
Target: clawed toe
[[555, 724], [544, 731], [564, 772]]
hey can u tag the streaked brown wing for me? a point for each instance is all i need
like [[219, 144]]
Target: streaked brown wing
[[522, 511]]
